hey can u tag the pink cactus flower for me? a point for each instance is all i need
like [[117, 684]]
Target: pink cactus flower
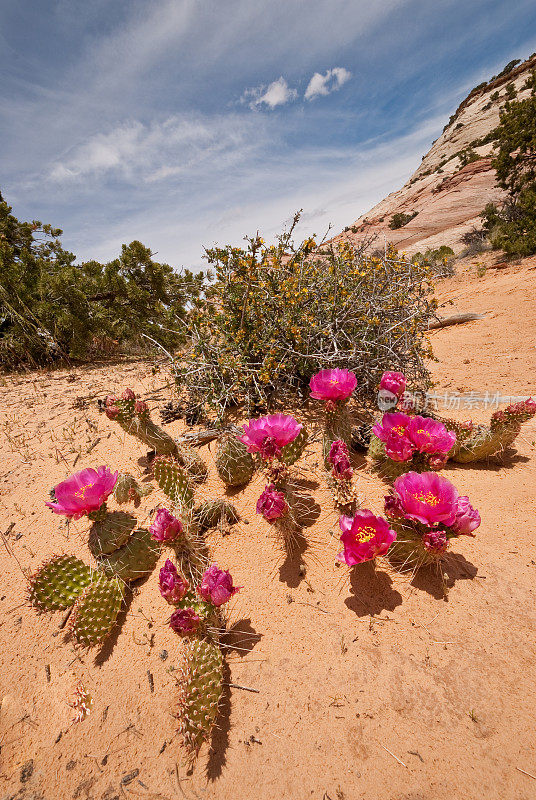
[[467, 518], [364, 536], [272, 504], [339, 458], [332, 384], [435, 541], [83, 492], [393, 431], [111, 409], [267, 435], [394, 382], [216, 586], [128, 394], [172, 585], [430, 436], [165, 527], [426, 497], [185, 621], [140, 407]]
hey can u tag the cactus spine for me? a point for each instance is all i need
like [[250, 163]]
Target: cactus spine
[[211, 512], [58, 583], [338, 426], [95, 611]]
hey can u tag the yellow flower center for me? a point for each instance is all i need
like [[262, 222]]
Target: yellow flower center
[[365, 534], [425, 433], [399, 430], [430, 499], [82, 492]]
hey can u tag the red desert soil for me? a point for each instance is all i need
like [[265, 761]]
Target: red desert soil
[[370, 686]]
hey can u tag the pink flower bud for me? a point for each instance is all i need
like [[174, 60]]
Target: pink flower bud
[[467, 518], [172, 586], [128, 394], [140, 407], [165, 527], [185, 621], [394, 382], [216, 587], [339, 458], [272, 504], [435, 541]]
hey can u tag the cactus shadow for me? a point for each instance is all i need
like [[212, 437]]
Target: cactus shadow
[[290, 571], [371, 591], [437, 580], [507, 459], [241, 637]]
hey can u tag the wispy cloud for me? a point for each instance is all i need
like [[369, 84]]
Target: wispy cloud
[[332, 80], [276, 94]]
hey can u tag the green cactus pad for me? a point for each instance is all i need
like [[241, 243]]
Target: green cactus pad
[[200, 692], [144, 429], [174, 482], [234, 464], [58, 582], [485, 441], [127, 489], [192, 462], [110, 534], [135, 559], [291, 452], [212, 512], [95, 612]]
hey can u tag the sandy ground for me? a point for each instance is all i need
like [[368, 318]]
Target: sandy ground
[[367, 684]]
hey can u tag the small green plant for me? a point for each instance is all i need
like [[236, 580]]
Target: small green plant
[[400, 219]]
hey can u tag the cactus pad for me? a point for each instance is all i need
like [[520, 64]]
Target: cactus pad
[[212, 512], [135, 559], [200, 692], [192, 462], [291, 452], [110, 534], [174, 482], [127, 489], [58, 582], [95, 612], [234, 464]]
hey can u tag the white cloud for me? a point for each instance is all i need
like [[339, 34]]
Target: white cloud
[[325, 84], [152, 152], [276, 94]]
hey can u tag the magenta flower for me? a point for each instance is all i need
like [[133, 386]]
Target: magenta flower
[[393, 432], [430, 436], [394, 382], [83, 492], [216, 586], [185, 621], [426, 497], [165, 527], [364, 536], [332, 384], [467, 518], [172, 585], [272, 504], [267, 435], [339, 458], [128, 394], [435, 541]]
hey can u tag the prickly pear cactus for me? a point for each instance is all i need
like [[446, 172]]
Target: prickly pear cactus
[[174, 482], [58, 583], [200, 693], [338, 426], [127, 489], [192, 463], [110, 533], [291, 452], [234, 464], [95, 611], [135, 559], [211, 512]]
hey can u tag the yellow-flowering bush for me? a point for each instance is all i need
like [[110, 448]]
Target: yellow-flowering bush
[[274, 315]]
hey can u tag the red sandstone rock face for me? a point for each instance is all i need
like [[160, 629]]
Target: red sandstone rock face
[[447, 197]]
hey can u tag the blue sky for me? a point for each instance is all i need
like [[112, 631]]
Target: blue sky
[[187, 122]]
